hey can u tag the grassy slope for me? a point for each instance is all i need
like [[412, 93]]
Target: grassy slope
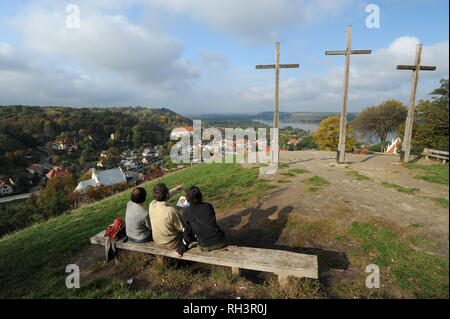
[[32, 257], [31, 261]]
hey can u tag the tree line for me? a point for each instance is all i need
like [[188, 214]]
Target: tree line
[[430, 130]]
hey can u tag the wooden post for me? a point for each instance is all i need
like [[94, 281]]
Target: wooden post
[[343, 124], [283, 280], [277, 66], [277, 84], [161, 260], [236, 271], [406, 145], [340, 158]]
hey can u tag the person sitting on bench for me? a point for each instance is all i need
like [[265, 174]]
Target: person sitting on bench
[[137, 221], [165, 219], [199, 222]]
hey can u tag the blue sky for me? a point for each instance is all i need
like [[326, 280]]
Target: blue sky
[[198, 56]]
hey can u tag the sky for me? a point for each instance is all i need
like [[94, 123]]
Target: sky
[[199, 56]]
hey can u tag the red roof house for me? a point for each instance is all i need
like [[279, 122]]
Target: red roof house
[[57, 172]]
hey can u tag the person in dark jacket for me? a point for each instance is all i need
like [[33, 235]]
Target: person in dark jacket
[[199, 224]]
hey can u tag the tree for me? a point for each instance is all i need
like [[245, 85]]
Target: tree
[[307, 143], [431, 123], [52, 199], [327, 135], [282, 141], [381, 120], [433, 119]]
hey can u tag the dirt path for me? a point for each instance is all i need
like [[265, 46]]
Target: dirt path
[[352, 199], [335, 205]]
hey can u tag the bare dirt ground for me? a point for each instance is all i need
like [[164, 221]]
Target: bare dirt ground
[[365, 198], [268, 222]]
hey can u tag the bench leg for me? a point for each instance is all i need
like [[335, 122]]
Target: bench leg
[[161, 260], [236, 271], [283, 280]]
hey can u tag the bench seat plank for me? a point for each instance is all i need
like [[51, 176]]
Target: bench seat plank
[[434, 155], [268, 260], [438, 152]]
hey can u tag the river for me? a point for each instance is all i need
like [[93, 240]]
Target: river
[[302, 125]]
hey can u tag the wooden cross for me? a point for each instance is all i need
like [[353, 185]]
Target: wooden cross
[[406, 145], [340, 158], [277, 66]]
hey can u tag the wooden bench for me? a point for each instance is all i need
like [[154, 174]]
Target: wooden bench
[[436, 154], [280, 262]]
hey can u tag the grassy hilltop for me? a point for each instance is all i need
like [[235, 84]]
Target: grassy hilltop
[[347, 225], [30, 260]]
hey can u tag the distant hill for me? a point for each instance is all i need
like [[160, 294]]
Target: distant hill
[[174, 119], [289, 117], [29, 126]]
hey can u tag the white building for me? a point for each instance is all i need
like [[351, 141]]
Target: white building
[[182, 130], [147, 152], [107, 177]]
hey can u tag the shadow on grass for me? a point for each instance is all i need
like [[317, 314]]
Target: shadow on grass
[[252, 227]]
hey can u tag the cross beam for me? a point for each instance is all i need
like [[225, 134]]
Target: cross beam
[[277, 66], [340, 158], [406, 145]]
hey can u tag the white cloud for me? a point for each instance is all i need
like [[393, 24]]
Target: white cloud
[[213, 61], [108, 43], [112, 61], [373, 79], [254, 21]]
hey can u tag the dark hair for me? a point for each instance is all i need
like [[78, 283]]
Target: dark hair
[[160, 192], [193, 195], [138, 195]]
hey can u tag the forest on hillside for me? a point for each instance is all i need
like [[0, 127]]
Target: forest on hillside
[[29, 127]]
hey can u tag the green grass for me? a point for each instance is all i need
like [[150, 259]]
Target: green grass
[[15, 204], [284, 165], [298, 171], [30, 260], [358, 176], [434, 173], [422, 242], [421, 275], [441, 201], [116, 289], [410, 191], [287, 174], [283, 181], [315, 181]]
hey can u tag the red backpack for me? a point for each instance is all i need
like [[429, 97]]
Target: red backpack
[[114, 229], [114, 233]]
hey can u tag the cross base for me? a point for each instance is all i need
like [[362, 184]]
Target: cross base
[[340, 157], [402, 157]]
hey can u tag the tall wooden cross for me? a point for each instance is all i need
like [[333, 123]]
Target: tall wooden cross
[[406, 145], [340, 158], [277, 66]]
